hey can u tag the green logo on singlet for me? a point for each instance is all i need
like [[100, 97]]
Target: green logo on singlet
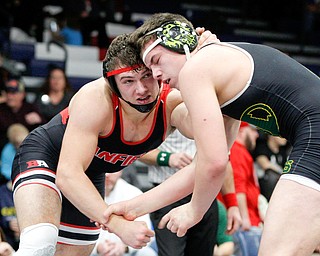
[[262, 116], [287, 166]]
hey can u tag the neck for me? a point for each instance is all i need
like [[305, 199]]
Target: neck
[[16, 108]]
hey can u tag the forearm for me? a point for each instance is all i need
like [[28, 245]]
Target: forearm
[[151, 157], [242, 200], [83, 195], [171, 190], [208, 184], [80, 191]]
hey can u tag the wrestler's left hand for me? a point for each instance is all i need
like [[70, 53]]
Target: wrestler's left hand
[[206, 37], [134, 233], [180, 219]]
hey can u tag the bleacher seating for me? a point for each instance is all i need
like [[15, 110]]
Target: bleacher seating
[[224, 17], [23, 52], [83, 63]]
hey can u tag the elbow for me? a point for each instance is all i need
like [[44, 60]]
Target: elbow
[[218, 168], [222, 167], [61, 181]]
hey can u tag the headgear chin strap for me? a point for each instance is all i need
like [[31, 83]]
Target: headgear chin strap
[[146, 108], [176, 36]]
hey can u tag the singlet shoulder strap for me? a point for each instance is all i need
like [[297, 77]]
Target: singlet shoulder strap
[[115, 101], [207, 45], [165, 91]]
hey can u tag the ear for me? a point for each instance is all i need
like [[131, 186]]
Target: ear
[[175, 35]]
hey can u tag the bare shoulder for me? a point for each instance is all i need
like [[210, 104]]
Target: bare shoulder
[[174, 97], [173, 100], [219, 55], [92, 104], [220, 65]]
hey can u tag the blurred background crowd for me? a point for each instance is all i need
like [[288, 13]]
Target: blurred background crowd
[[49, 47]]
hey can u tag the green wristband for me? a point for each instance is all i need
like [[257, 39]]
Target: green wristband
[[163, 158]]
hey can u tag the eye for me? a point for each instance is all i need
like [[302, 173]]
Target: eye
[[154, 60], [147, 75], [127, 81]]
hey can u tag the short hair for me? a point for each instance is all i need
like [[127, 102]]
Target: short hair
[[121, 53]]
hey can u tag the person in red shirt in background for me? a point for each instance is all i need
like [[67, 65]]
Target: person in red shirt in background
[[247, 238]]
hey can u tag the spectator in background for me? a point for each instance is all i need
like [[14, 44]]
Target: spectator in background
[[28, 15], [16, 134], [8, 219], [3, 78], [108, 244], [225, 244], [174, 153], [56, 93], [5, 248], [67, 30], [270, 156], [247, 239], [93, 19], [310, 27], [17, 110]]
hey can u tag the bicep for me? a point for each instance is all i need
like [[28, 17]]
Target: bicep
[[206, 118], [81, 136], [78, 148]]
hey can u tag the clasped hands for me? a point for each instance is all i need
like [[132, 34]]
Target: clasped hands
[[178, 220]]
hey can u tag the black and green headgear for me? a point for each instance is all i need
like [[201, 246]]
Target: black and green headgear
[[176, 36]]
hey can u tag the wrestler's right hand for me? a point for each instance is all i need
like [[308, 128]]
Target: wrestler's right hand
[[120, 209]]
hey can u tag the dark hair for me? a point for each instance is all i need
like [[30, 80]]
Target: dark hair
[[120, 54], [45, 88]]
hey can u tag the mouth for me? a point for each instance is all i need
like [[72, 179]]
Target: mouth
[[144, 100], [167, 81]]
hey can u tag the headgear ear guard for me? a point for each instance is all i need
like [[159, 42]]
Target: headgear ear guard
[[176, 36], [110, 79]]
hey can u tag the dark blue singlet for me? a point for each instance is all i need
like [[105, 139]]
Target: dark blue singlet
[[282, 98]]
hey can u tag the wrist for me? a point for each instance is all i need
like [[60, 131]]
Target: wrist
[[113, 224], [163, 158], [230, 200]]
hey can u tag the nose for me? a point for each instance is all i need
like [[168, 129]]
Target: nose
[[141, 87], [156, 73]]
